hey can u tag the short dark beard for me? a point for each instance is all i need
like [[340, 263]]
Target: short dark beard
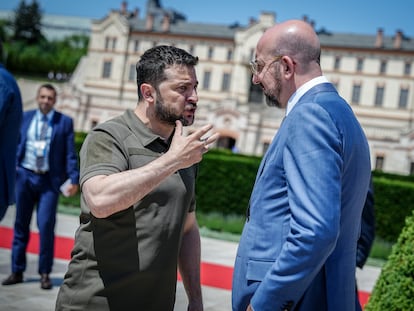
[[165, 114]]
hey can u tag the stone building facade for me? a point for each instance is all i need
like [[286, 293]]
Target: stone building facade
[[374, 73]]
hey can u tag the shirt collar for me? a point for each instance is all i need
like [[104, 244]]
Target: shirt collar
[[302, 90], [49, 115]]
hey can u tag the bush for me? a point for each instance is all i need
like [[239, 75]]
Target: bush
[[394, 289], [225, 182], [394, 201]]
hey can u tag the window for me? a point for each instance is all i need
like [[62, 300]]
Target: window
[[255, 93], [337, 63], [93, 123], [226, 142], [379, 96], [191, 49], [106, 73], [210, 53], [356, 93], [110, 43], [229, 54], [206, 80], [407, 69], [360, 64], [379, 162], [251, 54], [265, 147], [383, 66], [225, 83], [132, 72], [136, 45], [412, 168], [402, 103]]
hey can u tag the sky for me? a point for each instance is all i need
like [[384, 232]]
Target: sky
[[349, 16]]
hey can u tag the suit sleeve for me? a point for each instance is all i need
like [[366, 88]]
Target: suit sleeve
[[313, 165], [367, 237], [72, 168]]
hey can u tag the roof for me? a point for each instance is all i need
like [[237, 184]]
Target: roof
[[188, 29], [58, 26], [363, 41]]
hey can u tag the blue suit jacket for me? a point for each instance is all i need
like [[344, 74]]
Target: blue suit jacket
[[63, 160], [298, 246], [11, 113]]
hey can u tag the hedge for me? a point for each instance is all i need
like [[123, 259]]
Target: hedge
[[394, 201], [394, 289], [225, 182]]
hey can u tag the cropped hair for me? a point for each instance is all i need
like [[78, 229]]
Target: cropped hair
[[152, 64], [48, 86]]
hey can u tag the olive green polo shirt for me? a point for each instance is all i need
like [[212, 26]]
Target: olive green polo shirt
[[128, 261]]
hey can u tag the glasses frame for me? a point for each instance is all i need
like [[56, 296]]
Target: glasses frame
[[254, 65]]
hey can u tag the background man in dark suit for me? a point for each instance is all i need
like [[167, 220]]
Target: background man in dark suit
[[46, 158]]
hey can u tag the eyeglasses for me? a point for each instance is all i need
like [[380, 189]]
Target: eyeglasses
[[257, 68]]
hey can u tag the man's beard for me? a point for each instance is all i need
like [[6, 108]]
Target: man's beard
[[166, 114], [272, 95]]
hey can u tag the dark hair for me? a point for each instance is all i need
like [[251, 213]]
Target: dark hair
[[151, 66], [48, 86]]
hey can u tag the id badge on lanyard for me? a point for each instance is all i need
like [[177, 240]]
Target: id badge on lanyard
[[40, 147]]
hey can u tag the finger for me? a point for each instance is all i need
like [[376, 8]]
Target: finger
[[202, 131], [178, 128], [211, 139]]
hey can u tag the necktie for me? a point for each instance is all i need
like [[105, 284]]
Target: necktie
[[40, 160]]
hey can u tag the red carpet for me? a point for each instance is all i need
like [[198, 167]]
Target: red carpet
[[213, 275]]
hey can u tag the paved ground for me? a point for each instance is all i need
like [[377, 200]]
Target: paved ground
[[29, 296]]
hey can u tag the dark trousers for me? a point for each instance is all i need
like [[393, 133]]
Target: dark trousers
[[34, 189]]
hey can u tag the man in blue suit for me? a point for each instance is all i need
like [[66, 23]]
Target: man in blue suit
[[298, 246], [46, 158], [11, 112]]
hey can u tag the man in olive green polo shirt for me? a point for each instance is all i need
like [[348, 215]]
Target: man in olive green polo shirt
[[138, 197]]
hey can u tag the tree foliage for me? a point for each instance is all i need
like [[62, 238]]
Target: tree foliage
[[27, 51], [40, 59], [27, 23]]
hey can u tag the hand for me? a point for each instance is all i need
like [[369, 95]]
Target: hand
[[72, 189], [189, 150], [249, 308]]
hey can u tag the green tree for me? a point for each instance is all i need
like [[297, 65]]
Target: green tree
[[3, 31], [27, 23]]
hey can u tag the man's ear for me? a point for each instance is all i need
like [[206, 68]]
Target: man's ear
[[288, 66], [147, 92]]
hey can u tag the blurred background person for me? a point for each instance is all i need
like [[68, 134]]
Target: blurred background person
[[46, 158]]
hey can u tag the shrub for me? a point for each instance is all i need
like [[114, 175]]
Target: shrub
[[394, 289], [394, 201], [225, 182]]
